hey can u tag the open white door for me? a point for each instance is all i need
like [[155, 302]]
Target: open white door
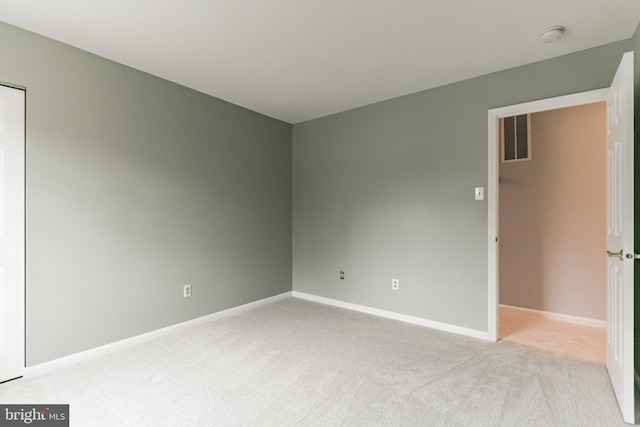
[[620, 248], [12, 232]]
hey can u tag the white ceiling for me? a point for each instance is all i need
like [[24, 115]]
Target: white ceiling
[[300, 59]]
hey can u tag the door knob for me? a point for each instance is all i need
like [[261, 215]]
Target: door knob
[[615, 254]]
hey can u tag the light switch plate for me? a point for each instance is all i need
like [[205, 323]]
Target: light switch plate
[[479, 193]]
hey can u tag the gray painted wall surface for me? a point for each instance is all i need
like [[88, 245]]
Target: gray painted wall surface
[[135, 187], [386, 191]]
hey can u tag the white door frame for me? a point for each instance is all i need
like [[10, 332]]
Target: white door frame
[[492, 188], [13, 232]]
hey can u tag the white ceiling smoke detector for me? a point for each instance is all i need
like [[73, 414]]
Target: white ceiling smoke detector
[[552, 34]]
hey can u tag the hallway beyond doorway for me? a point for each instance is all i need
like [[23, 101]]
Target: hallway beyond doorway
[[579, 342]]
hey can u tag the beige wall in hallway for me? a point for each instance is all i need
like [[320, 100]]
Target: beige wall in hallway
[[552, 216]]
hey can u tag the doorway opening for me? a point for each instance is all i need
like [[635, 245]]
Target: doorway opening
[[552, 210], [620, 310], [493, 184]]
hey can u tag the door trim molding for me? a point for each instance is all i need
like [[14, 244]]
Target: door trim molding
[[13, 305], [494, 115]]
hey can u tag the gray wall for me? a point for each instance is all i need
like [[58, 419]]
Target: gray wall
[[554, 205], [135, 187], [386, 191]]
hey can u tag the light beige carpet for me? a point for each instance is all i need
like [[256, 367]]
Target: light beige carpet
[[579, 342], [297, 363]]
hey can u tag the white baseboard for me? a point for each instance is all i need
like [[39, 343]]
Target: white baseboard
[[396, 316], [139, 339], [556, 316]]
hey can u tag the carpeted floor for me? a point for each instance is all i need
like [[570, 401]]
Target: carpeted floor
[[579, 342], [295, 362]]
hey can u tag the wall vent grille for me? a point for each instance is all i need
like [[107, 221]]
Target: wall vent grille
[[515, 138]]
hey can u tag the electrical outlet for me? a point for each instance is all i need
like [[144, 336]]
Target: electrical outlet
[[395, 283], [341, 275], [186, 291]]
